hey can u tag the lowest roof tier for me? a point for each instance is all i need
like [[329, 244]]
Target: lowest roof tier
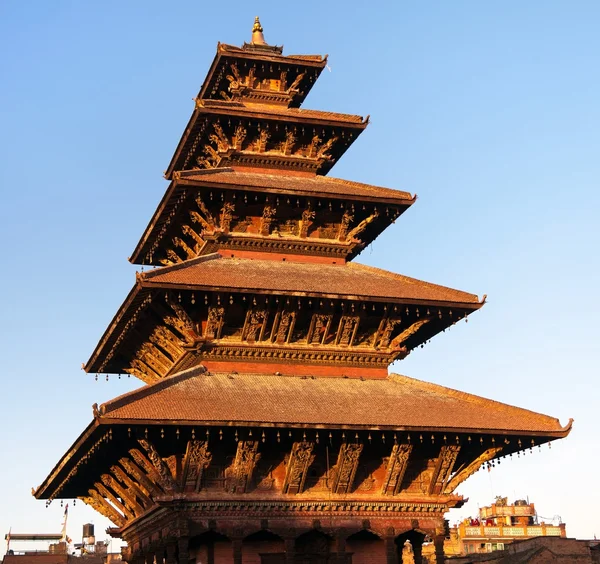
[[224, 436]]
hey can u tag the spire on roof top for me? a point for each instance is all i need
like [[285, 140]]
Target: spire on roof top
[[257, 33]]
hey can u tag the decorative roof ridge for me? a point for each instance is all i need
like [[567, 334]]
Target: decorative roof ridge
[[409, 279], [150, 389], [473, 398], [141, 276]]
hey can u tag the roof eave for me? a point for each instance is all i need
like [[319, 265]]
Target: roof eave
[[42, 490], [549, 434], [133, 293], [146, 283]]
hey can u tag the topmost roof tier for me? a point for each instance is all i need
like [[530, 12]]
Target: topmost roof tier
[[259, 73], [247, 114]]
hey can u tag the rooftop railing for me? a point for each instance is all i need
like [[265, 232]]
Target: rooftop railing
[[512, 531]]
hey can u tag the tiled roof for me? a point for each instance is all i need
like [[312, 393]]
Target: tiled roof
[[397, 402], [350, 280], [322, 185], [285, 113]]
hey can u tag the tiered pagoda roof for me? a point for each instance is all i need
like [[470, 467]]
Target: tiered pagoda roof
[[265, 349]]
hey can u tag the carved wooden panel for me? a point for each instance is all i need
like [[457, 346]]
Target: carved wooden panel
[[396, 468], [301, 457], [154, 464], [443, 468], [214, 322], [347, 329], [465, 471], [239, 474], [254, 327], [283, 326], [346, 466], [197, 458], [319, 328]]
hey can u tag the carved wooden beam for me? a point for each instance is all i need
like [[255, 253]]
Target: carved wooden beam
[[346, 466], [254, 326], [214, 322], [298, 463], [185, 329], [155, 358], [158, 463], [238, 137], [197, 458], [207, 218], [149, 487], [226, 216], [319, 328], [138, 366], [266, 219], [187, 230], [386, 329], [347, 330], [409, 332], [97, 502], [186, 321], [165, 339], [308, 216], [138, 490], [107, 494], [127, 498], [283, 326], [143, 376], [344, 225], [239, 475], [362, 226], [396, 468], [443, 468], [469, 470], [173, 257], [179, 242]]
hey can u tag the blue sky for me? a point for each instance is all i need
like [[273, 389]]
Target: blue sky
[[488, 111]]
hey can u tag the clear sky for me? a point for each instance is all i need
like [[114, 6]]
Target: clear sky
[[487, 110]]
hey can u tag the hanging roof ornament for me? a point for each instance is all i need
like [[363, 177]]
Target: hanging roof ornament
[[257, 33]]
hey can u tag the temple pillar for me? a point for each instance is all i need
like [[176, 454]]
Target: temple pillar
[[290, 551], [236, 549], [340, 548], [438, 542], [183, 545], [391, 550], [171, 553], [417, 547]]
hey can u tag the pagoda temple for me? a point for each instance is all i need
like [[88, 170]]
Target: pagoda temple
[[268, 429]]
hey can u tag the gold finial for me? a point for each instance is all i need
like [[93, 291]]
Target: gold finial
[[257, 33]]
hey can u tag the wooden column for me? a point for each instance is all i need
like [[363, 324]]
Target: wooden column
[[183, 550], [236, 548], [290, 550], [438, 542], [340, 548], [391, 550], [171, 553], [417, 546]]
